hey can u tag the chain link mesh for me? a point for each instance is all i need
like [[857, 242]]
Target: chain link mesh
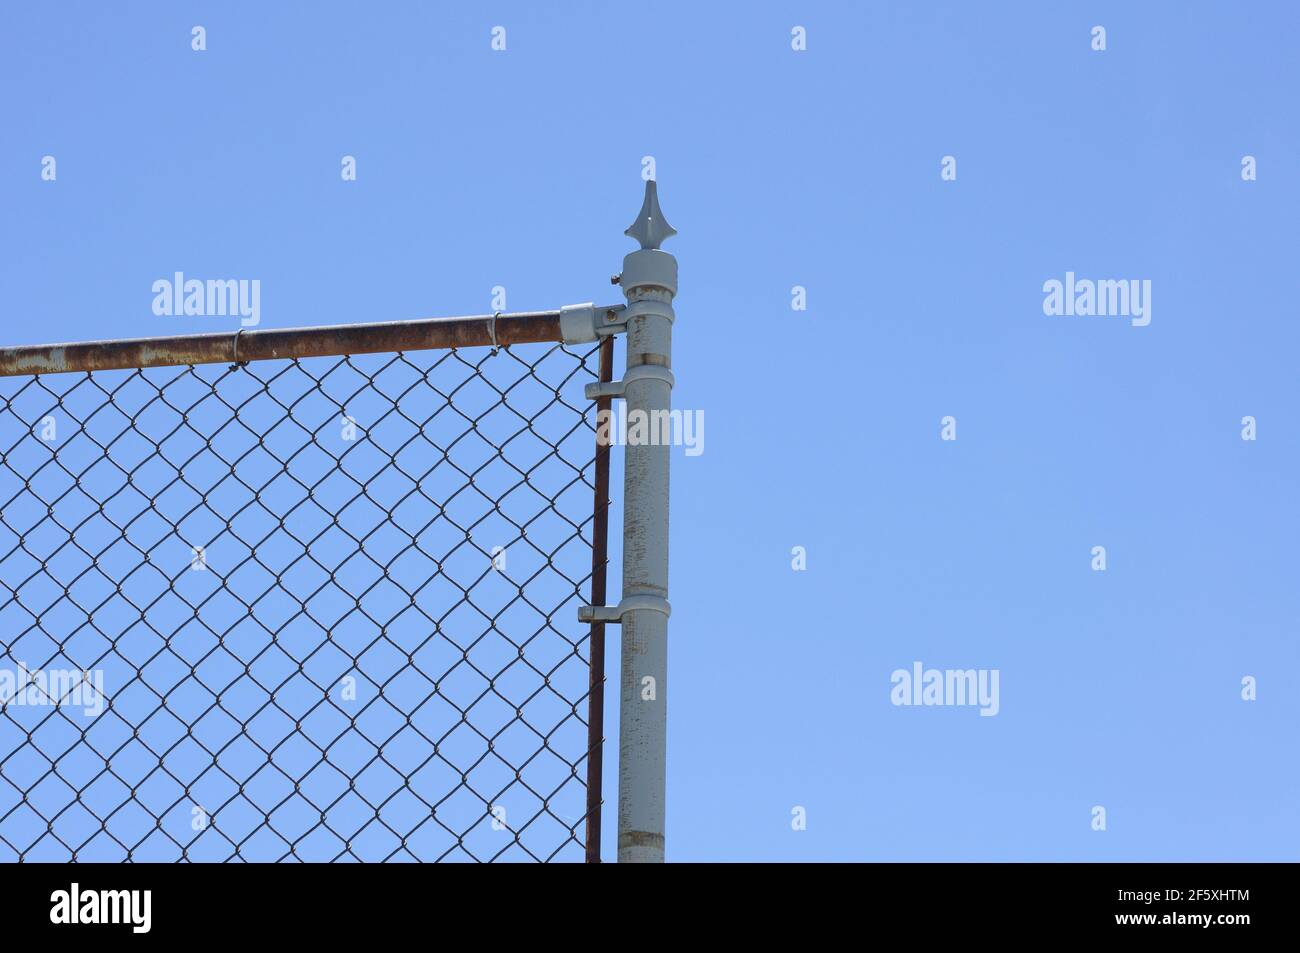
[[317, 610]]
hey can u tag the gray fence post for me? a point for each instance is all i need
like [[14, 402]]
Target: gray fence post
[[649, 282]]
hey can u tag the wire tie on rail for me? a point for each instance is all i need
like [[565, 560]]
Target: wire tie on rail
[[238, 364]]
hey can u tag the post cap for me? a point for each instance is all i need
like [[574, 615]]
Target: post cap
[[650, 227]]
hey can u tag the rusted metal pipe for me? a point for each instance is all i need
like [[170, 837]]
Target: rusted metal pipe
[[271, 344], [596, 649]]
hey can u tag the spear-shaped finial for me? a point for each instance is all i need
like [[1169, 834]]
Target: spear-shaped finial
[[650, 227]]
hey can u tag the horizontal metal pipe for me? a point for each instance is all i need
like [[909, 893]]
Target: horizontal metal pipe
[[271, 344]]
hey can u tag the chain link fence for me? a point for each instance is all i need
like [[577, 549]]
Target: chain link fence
[[316, 609]]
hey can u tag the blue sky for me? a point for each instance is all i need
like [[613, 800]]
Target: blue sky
[[821, 169]]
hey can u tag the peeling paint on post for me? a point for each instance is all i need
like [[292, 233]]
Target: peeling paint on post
[[649, 283]]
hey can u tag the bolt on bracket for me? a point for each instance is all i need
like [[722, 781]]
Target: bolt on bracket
[[582, 323]]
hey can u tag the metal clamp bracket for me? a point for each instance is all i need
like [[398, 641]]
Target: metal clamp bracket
[[581, 323], [597, 389], [614, 614]]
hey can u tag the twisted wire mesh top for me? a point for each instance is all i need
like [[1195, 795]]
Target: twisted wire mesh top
[[299, 610]]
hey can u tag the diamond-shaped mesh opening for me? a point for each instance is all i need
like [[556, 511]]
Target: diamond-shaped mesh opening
[[319, 609]]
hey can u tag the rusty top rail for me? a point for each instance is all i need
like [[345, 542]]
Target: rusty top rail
[[269, 344]]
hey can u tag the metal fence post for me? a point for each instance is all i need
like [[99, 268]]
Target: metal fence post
[[649, 282]]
